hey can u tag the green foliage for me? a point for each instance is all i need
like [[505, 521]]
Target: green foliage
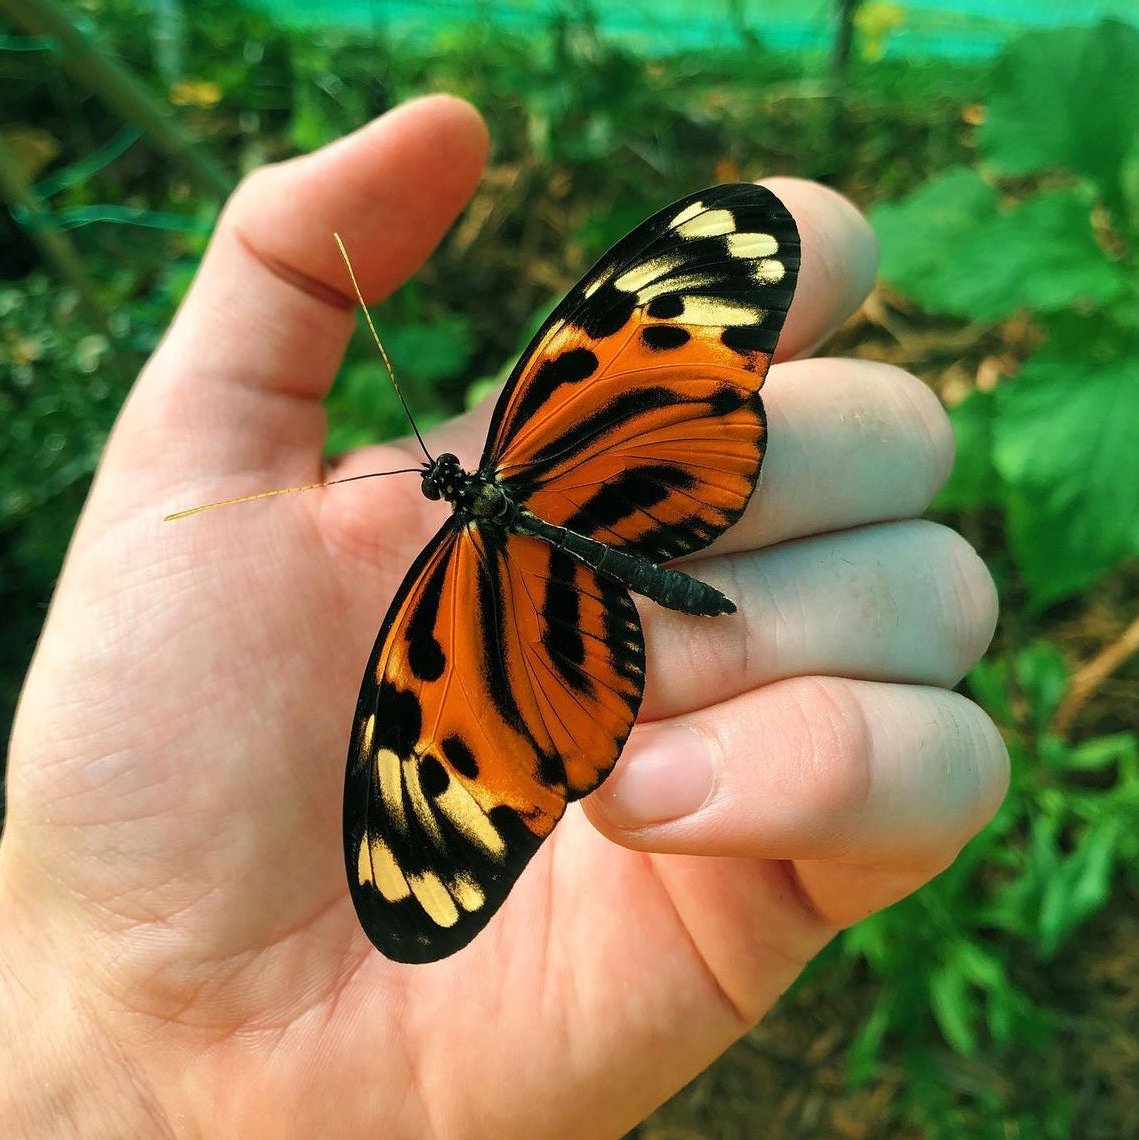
[[973, 482], [958, 955], [953, 248], [59, 393], [363, 405], [1066, 100], [54, 429], [1054, 447]]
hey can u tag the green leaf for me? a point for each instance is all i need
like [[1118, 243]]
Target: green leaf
[[1079, 887], [988, 682], [362, 408], [864, 1053], [1065, 446], [920, 234], [973, 483], [480, 389], [1066, 98], [1028, 118], [1042, 674], [1129, 184], [949, 247], [1048, 257], [954, 1006], [1103, 752]]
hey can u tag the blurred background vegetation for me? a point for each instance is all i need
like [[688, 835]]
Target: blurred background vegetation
[[1000, 164]]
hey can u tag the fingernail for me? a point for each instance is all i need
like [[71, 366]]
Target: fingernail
[[665, 773]]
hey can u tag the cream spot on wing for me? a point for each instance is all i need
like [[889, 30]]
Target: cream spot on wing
[[379, 867], [467, 892], [769, 271], [711, 223], [679, 283], [635, 279], [423, 811], [686, 214], [433, 897], [391, 787], [369, 732], [597, 282], [465, 813], [718, 314], [364, 864], [752, 245]]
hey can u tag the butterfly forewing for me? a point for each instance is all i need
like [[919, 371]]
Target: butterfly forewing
[[635, 418]]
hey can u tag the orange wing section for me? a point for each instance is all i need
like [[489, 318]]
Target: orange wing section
[[504, 683], [635, 418]]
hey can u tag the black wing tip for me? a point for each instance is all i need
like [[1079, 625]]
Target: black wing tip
[[401, 928]]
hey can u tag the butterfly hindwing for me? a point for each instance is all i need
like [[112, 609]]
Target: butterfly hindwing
[[635, 416], [504, 683]]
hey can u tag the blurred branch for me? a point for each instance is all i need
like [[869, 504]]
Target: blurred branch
[[119, 89], [838, 128], [844, 40], [1086, 680], [56, 247]]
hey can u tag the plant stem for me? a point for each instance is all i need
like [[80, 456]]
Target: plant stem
[[1089, 677], [119, 89], [54, 245]]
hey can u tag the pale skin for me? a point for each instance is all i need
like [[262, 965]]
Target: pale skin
[[178, 952]]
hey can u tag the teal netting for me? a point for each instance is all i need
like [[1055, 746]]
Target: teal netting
[[961, 29]]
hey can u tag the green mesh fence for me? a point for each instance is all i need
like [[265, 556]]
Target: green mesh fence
[[964, 29]]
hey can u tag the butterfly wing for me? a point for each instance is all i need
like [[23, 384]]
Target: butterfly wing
[[503, 683], [635, 416]]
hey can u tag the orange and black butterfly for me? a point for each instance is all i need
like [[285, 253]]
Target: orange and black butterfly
[[510, 667]]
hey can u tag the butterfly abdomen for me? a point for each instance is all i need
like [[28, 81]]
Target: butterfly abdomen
[[667, 587]]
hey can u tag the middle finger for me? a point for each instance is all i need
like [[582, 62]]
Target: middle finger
[[908, 601], [849, 442]]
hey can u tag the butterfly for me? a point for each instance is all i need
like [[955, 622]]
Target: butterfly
[[509, 670]]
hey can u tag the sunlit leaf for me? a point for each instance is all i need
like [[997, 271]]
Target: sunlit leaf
[[954, 1006], [1078, 888], [951, 248], [1065, 446], [1066, 98]]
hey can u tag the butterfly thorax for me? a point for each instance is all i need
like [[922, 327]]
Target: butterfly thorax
[[473, 497]]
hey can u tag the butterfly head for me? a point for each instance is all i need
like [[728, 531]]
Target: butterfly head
[[444, 477]]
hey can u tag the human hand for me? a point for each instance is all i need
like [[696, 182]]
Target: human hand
[[178, 952]]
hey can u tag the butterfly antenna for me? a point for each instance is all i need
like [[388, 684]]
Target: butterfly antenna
[[376, 338], [283, 491]]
